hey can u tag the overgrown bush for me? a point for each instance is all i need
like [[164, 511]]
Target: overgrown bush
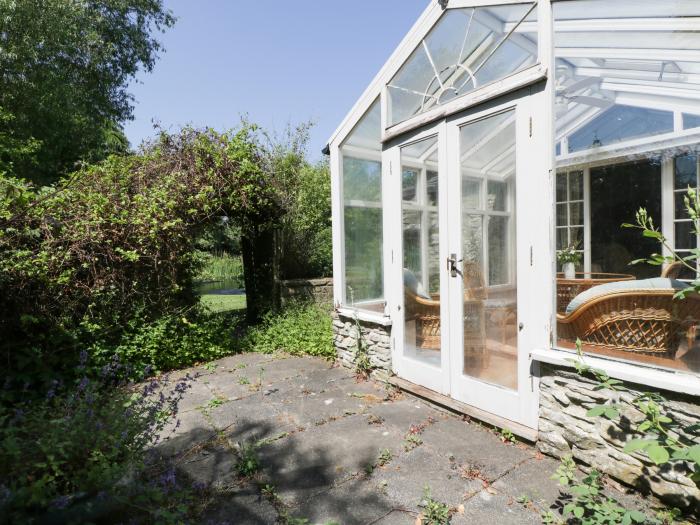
[[116, 238], [298, 329], [83, 449], [172, 341]]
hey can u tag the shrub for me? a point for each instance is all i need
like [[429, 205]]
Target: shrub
[[84, 447], [171, 341], [118, 237], [298, 329]]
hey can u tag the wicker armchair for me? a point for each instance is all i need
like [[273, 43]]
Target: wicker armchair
[[426, 313], [648, 321]]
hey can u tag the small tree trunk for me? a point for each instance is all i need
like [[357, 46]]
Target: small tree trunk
[[258, 250]]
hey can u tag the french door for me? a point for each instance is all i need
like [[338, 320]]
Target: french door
[[469, 278]]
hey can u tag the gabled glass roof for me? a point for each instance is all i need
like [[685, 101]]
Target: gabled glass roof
[[466, 49]]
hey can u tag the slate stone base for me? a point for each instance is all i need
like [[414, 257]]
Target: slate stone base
[[564, 428], [376, 338]]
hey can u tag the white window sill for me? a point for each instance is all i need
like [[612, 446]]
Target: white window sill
[[681, 382], [364, 315]]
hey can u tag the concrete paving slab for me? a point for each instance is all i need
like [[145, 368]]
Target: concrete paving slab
[[355, 502], [310, 462], [240, 507], [474, 446], [214, 466], [398, 517], [184, 431], [403, 413], [197, 395], [404, 479], [495, 509]]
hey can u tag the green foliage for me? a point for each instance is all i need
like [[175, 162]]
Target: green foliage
[[411, 441], [649, 230], [248, 463], [363, 365], [385, 457], [570, 254], [507, 435], [82, 448], [223, 267], [299, 329], [171, 341], [658, 439], [588, 505], [434, 512], [118, 237], [66, 67]]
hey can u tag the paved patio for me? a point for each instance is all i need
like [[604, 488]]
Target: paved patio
[[318, 434]]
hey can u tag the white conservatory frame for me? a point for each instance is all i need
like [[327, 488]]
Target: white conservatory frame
[[536, 275]]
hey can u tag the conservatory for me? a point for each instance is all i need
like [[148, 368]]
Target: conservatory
[[500, 140]]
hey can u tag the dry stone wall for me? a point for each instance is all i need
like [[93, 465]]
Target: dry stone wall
[[376, 338], [564, 428], [319, 291]]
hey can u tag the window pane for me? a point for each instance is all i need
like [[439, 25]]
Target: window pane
[[576, 213], [562, 238], [471, 194], [576, 237], [496, 198], [691, 121], [409, 183], [686, 172], [562, 216], [618, 87], [421, 270], [561, 187], [432, 188], [468, 48], [498, 250], [363, 255], [685, 238], [575, 185], [362, 214]]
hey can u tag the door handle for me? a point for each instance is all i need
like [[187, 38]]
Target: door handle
[[452, 262]]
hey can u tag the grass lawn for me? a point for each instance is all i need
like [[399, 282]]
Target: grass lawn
[[223, 303]]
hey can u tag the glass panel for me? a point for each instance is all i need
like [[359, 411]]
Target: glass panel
[[363, 254], [496, 198], [691, 121], [421, 269], [576, 186], [432, 187], [685, 238], [562, 216], [576, 213], [362, 214], [562, 238], [409, 184], [620, 123], [619, 84], [685, 172], [471, 194], [490, 314], [561, 187], [468, 48], [498, 250]]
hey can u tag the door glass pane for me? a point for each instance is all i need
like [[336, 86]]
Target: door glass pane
[[421, 254], [488, 249]]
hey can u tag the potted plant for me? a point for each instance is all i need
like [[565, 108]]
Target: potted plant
[[569, 257]]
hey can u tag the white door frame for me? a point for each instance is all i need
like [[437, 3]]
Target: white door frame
[[535, 261], [414, 370]]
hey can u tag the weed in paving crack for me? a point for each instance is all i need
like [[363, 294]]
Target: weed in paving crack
[[411, 441], [385, 457], [434, 512]]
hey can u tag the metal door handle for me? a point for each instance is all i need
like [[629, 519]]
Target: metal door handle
[[452, 262]]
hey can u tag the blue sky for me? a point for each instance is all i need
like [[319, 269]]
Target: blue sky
[[278, 61]]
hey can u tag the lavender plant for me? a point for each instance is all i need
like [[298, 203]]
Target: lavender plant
[[88, 446]]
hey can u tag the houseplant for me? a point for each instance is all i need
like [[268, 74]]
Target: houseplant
[[569, 257]]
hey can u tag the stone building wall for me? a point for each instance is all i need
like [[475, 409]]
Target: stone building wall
[[565, 429], [377, 340], [319, 291]]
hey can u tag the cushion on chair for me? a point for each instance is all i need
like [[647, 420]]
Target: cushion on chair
[[413, 284], [657, 283]]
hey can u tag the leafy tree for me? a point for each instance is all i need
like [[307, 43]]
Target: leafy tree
[[64, 69]]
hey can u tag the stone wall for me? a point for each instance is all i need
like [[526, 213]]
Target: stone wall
[[564, 429], [319, 291], [377, 340]]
